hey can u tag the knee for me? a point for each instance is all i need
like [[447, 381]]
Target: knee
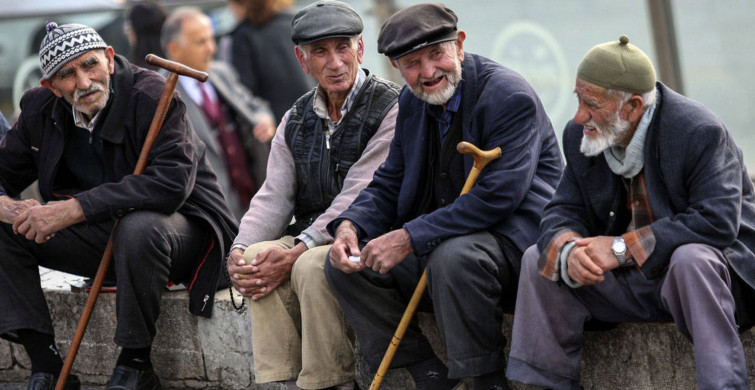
[[141, 230], [696, 259], [456, 260], [253, 250], [309, 267]]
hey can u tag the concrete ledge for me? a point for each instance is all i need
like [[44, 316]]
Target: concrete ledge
[[196, 353]]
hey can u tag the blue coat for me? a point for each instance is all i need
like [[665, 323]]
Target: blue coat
[[697, 186], [499, 108]]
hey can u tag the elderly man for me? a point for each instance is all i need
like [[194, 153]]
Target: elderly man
[[80, 135], [653, 220], [413, 216], [235, 125], [327, 148]]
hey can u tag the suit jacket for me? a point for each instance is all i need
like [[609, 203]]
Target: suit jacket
[[244, 107], [499, 108], [697, 185]]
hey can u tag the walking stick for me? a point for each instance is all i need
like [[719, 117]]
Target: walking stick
[[481, 159], [175, 69]]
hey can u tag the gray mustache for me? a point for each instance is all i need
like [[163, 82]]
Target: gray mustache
[[92, 88]]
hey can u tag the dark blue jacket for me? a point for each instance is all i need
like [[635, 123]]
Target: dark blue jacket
[[499, 108], [697, 186]]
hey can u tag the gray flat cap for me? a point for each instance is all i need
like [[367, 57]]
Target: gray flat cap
[[325, 19], [415, 27]]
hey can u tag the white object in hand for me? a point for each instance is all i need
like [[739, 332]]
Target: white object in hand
[[355, 259]]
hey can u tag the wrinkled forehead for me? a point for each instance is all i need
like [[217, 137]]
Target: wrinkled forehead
[[87, 58]]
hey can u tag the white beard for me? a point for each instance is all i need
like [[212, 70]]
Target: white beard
[[440, 97], [606, 137]]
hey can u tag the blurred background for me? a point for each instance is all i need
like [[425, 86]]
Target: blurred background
[[699, 47]]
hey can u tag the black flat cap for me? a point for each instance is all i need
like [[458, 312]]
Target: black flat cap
[[415, 27], [325, 19]]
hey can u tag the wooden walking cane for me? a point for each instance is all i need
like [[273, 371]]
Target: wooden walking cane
[[175, 69], [481, 159]]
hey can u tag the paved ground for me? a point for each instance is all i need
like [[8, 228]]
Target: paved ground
[[55, 280]]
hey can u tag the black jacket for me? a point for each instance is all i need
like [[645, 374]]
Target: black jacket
[[177, 179]]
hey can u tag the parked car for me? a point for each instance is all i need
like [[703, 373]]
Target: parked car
[[22, 27]]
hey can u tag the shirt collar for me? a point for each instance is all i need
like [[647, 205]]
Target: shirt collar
[[320, 105], [80, 120], [451, 107]]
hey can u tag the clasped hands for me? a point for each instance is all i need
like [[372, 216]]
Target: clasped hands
[[268, 270], [590, 259], [38, 222], [380, 254]]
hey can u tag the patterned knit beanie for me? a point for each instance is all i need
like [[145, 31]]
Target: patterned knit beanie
[[618, 65], [64, 43]]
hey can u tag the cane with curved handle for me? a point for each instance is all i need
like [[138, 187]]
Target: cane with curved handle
[[154, 129], [481, 159]]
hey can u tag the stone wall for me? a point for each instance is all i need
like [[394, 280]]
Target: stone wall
[[198, 353]]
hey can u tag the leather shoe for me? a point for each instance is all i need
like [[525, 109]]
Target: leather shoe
[[47, 381], [127, 378]]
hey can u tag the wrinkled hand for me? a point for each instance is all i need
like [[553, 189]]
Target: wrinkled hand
[[40, 223], [10, 208], [590, 259], [271, 268], [239, 272], [386, 251], [265, 128], [345, 244]]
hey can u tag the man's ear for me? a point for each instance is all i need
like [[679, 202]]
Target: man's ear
[[360, 49], [110, 55], [302, 61], [460, 37], [48, 84], [395, 65], [633, 108]]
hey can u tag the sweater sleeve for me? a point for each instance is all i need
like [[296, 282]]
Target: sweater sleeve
[[272, 207]]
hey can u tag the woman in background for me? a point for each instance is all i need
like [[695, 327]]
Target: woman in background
[[144, 20], [262, 52]]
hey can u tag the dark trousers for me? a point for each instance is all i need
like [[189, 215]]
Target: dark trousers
[[471, 280], [149, 249]]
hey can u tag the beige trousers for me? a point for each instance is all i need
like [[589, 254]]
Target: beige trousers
[[299, 331]]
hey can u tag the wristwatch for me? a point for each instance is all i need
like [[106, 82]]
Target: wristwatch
[[619, 248]]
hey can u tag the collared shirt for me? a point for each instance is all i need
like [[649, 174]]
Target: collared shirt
[[444, 117], [80, 120], [320, 103], [191, 87]]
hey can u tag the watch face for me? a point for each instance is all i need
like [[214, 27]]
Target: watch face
[[619, 246]]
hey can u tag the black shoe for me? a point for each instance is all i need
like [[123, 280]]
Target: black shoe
[[127, 378], [47, 381]]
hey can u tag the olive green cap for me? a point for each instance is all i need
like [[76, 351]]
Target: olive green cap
[[618, 65]]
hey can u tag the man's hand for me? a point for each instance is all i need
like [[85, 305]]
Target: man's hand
[[40, 223], [265, 128], [344, 246], [271, 268], [386, 251], [590, 259], [10, 209], [239, 272]]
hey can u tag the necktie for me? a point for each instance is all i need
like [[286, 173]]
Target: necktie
[[233, 149]]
